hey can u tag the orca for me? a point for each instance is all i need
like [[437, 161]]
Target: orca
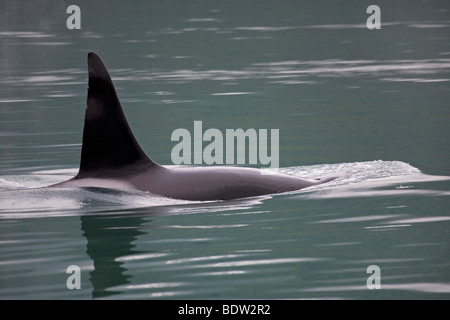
[[112, 158]]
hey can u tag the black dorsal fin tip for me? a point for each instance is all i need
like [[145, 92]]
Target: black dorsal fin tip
[[108, 142], [96, 67]]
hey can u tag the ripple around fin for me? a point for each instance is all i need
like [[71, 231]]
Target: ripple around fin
[[355, 171], [366, 179], [24, 196]]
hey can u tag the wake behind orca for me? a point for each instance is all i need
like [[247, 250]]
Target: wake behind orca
[[112, 158]]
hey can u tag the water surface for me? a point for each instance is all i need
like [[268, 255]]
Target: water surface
[[370, 106]]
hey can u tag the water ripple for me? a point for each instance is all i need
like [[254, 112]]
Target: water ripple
[[260, 262], [300, 71], [426, 287]]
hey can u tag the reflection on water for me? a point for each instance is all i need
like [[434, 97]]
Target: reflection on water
[[110, 245], [141, 246], [114, 242]]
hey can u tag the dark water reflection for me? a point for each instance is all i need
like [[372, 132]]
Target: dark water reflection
[[108, 239]]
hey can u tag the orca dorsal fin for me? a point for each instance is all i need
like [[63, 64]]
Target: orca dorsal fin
[[108, 142]]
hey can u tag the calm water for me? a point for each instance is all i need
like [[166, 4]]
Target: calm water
[[369, 105]]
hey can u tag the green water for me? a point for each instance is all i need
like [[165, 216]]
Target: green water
[[369, 105]]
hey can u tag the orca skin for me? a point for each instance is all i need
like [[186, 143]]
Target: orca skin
[[112, 158]]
